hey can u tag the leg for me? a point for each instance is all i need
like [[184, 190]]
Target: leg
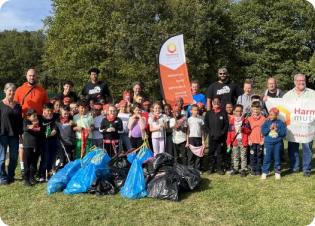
[[219, 148], [169, 144], [14, 152], [162, 144], [260, 155], [126, 141], [212, 147], [44, 159], [236, 157], [277, 157], [33, 163], [253, 157], [293, 150], [243, 157], [52, 152], [78, 148], [267, 158], [27, 162], [3, 153], [184, 152], [307, 156], [155, 144]]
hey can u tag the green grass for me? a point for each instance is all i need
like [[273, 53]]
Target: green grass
[[220, 200]]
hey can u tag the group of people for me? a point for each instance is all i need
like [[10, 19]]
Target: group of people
[[241, 132]]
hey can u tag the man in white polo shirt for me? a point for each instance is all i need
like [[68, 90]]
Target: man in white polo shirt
[[300, 91]]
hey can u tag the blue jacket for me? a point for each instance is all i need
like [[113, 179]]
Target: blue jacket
[[282, 131]]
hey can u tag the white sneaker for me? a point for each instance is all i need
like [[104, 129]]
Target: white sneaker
[[264, 176], [277, 176], [41, 179]]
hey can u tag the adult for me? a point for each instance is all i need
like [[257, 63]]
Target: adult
[[271, 92], [96, 89], [197, 96], [11, 129], [137, 91], [226, 89], [30, 95], [245, 98], [300, 91], [67, 87]]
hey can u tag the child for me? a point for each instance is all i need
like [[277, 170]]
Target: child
[[65, 135], [83, 121], [127, 98], [136, 126], [31, 143], [274, 130], [124, 116], [67, 101], [229, 110], [228, 161], [216, 125], [74, 109], [245, 99], [179, 125], [140, 99], [49, 148], [169, 131], [97, 137], [256, 139], [195, 136], [145, 113], [202, 109], [111, 127], [179, 101], [238, 132], [57, 106], [158, 125]]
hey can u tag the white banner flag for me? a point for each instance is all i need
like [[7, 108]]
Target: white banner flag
[[298, 115]]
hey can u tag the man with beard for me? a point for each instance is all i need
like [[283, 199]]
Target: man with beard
[[225, 89], [272, 92], [30, 95], [300, 91]]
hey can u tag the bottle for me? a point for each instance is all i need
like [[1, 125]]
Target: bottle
[[48, 130]]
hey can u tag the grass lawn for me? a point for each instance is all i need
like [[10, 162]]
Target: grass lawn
[[220, 200]]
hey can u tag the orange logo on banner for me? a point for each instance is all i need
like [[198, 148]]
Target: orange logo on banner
[[287, 115], [171, 48]]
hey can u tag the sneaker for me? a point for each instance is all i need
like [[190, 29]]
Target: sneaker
[[264, 176], [41, 179], [22, 174], [307, 174], [33, 181], [5, 183], [221, 172], [27, 184], [234, 172], [243, 173], [277, 176]]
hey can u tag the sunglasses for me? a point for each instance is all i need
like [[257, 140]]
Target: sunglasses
[[222, 73]]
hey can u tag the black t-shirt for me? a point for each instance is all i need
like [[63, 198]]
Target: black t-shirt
[[72, 95], [32, 138], [96, 91], [273, 95], [228, 92], [117, 124], [44, 123]]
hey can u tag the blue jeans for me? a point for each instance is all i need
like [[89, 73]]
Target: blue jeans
[[124, 138], [275, 150], [13, 143], [256, 156], [48, 156], [294, 157]]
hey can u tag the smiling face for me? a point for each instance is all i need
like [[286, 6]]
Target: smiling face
[[194, 87], [137, 90], [48, 112], [9, 93], [222, 74], [300, 83], [112, 111], [238, 111], [168, 110], [83, 110], [65, 114], [157, 109], [247, 89], [229, 108], [273, 115], [255, 111], [67, 88]]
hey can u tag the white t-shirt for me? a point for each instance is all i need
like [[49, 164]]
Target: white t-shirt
[[160, 133], [195, 124], [178, 135], [125, 119], [97, 123], [238, 124]]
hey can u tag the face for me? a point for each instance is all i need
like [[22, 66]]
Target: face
[[32, 118], [272, 84], [222, 75], [157, 109], [31, 76], [179, 102], [238, 112], [57, 106], [73, 109], [65, 114], [178, 113], [146, 108], [167, 110], [66, 103], [127, 99], [140, 100], [216, 102], [83, 110], [136, 89], [97, 111], [229, 108], [137, 111], [67, 88], [92, 103], [247, 89], [9, 93], [255, 111], [300, 83], [194, 87], [273, 115], [48, 112], [102, 101], [112, 112], [194, 111], [94, 76], [123, 108]]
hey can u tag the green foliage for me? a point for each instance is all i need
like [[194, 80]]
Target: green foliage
[[20, 51]]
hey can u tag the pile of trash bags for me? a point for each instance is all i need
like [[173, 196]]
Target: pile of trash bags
[[137, 174]]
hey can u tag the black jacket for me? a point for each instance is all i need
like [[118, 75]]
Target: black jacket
[[216, 124]]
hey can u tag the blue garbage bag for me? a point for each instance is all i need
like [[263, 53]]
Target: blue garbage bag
[[82, 180], [60, 180], [134, 187], [87, 159], [132, 156], [100, 161]]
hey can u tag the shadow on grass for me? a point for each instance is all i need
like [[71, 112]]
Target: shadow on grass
[[204, 185]]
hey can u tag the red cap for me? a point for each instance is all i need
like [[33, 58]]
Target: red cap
[[97, 106], [122, 103], [146, 103], [126, 94], [105, 106], [276, 110], [200, 105], [67, 99]]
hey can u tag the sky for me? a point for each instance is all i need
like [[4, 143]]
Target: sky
[[24, 14]]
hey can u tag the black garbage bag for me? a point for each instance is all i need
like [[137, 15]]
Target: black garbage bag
[[119, 167], [189, 174], [164, 185], [101, 187], [148, 171], [162, 159]]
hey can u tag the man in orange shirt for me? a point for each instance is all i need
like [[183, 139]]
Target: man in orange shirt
[[30, 95]]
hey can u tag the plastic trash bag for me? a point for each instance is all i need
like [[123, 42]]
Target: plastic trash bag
[[101, 187], [99, 159], [144, 154], [119, 167], [60, 180], [163, 159], [82, 180], [190, 174], [132, 156]]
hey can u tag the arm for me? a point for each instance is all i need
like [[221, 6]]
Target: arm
[[187, 142], [120, 127], [203, 135], [265, 129], [207, 126], [282, 130], [208, 104], [131, 122], [246, 127]]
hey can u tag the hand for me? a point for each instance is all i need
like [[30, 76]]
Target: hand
[[20, 140], [78, 128], [265, 98], [250, 143], [31, 127], [203, 143], [261, 143], [187, 145], [161, 126], [71, 123]]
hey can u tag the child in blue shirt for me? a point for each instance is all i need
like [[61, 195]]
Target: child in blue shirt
[[274, 130]]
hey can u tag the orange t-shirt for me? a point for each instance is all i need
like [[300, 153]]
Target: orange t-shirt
[[256, 136], [35, 99]]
